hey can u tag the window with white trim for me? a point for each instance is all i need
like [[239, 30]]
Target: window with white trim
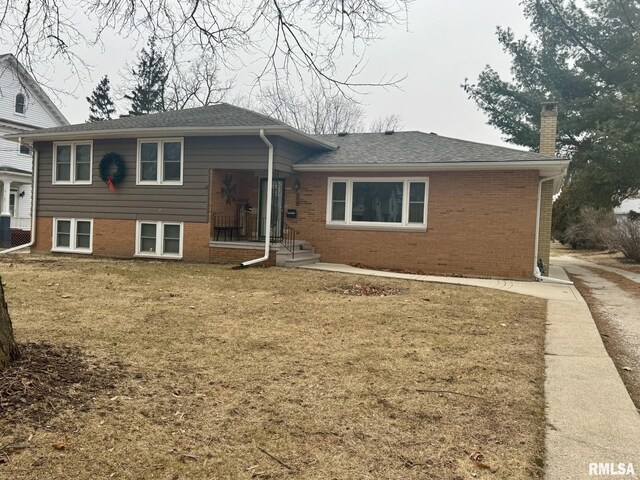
[[160, 161], [21, 103], [72, 163], [159, 239], [24, 149], [74, 235], [378, 202]]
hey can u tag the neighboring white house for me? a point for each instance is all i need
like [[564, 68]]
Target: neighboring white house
[[628, 205], [24, 106]]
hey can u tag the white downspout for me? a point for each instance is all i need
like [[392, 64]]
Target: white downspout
[[34, 196], [536, 271], [267, 239]]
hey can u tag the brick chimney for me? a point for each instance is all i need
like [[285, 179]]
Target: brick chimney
[[548, 128]]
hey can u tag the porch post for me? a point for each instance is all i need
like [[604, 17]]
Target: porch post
[[5, 215]]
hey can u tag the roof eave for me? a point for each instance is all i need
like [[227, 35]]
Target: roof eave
[[282, 130], [549, 167]]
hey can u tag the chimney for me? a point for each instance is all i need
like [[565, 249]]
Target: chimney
[[548, 128]]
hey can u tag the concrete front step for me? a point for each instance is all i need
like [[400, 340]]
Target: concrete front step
[[306, 258]]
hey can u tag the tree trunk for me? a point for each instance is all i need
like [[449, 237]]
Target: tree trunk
[[8, 348]]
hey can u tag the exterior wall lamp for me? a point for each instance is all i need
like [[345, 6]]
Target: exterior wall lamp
[[296, 185]]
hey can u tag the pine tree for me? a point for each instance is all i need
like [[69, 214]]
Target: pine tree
[[101, 105], [583, 55], [151, 78]]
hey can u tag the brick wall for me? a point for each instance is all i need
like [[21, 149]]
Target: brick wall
[[479, 224], [239, 255], [116, 238], [546, 205]]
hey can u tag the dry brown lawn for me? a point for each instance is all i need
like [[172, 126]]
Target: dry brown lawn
[[609, 259], [199, 371]]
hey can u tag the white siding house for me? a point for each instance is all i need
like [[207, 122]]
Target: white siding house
[[23, 107]]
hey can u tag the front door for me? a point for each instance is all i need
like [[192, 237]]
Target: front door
[[277, 208]]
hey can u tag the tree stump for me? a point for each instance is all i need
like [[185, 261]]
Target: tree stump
[[8, 348]]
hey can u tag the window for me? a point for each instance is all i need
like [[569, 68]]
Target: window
[[20, 104], [160, 161], [12, 203], [378, 202], [159, 239], [25, 150], [72, 162], [72, 235]]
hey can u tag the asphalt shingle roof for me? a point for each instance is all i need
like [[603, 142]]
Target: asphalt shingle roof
[[411, 147], [219, 115]]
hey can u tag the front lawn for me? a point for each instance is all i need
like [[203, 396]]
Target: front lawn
[[137, 369]]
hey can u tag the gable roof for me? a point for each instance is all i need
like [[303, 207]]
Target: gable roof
[[8, 58], [218, 119], [412, 148]]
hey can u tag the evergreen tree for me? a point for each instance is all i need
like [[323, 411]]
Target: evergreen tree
[[148, 96], [585, 57], [101, 105]]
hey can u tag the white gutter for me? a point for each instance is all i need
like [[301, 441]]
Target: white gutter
[[438, 166], [34, 196], [286, 131], [267, 238], [536, 271]]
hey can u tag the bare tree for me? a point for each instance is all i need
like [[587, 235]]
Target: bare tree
[[386, 123], [8, 349], [292, 38], [316, 111], [195, 86]]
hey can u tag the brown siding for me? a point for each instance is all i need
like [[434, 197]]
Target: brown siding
[[479, 224], [188, 203]]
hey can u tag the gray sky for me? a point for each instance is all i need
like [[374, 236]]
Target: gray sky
[[445, 43]]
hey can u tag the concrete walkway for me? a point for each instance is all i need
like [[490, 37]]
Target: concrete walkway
[[590, 416], [567, 261]]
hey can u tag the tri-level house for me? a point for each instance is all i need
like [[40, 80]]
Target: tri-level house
[[24, 107], [225, 184]]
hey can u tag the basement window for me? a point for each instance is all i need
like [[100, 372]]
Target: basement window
[[386, 203], [72, 235], [159, 239]]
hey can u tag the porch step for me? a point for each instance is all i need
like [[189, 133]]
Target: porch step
[[303, 254], [306, 258]]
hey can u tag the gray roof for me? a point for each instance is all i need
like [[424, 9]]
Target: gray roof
[[411, 147], [219, 115]]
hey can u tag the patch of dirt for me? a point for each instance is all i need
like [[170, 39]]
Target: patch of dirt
[[612, 338], [624, 283], [50, 378], [366, 290]]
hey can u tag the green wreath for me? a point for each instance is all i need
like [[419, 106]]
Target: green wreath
[[112, 169]]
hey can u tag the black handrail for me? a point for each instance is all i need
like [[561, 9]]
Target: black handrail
[[289, 238]]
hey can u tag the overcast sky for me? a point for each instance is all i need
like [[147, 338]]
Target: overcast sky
[[445, 42]]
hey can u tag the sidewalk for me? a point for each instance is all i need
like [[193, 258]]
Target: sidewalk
[[569, 260], [590, 416]]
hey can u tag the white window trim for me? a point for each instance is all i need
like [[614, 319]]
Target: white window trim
[[159, 239], [404, 225], [72, 176], [160, 160], [24, 108], [24, 154], [73, 238]]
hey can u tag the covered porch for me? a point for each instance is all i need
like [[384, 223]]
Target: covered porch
[[238, 216], [15, 224]]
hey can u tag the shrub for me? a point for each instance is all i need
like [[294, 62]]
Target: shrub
[[591, 229], [625, 237]]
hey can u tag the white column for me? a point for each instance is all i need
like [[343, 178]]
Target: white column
[[6, 192]]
